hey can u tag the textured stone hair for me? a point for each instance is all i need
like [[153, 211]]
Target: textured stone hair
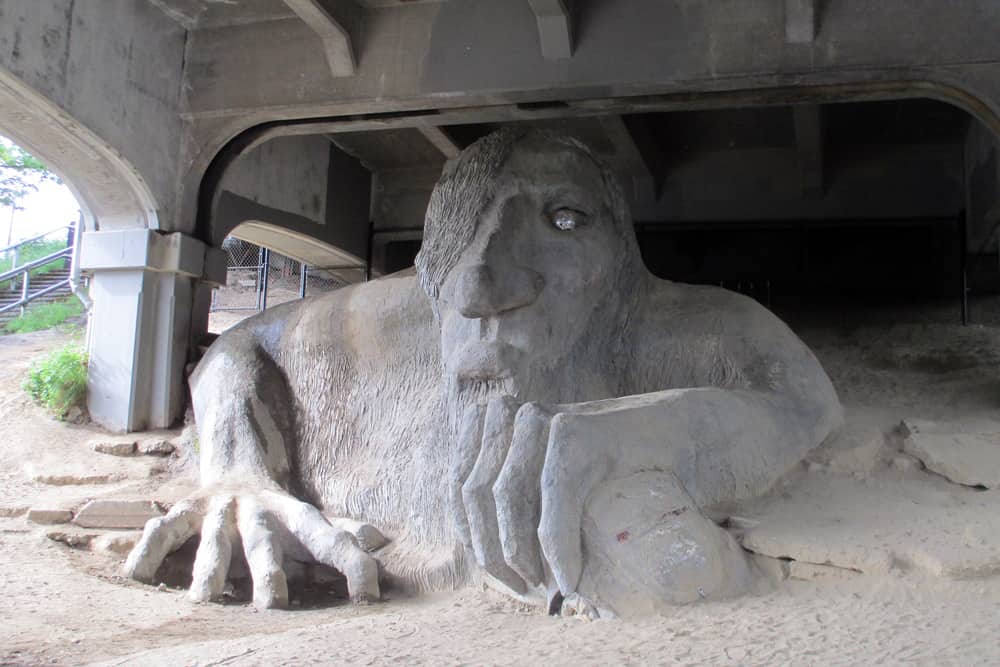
[[466, 188]]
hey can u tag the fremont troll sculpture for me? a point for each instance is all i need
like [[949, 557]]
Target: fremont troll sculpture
[[532, 409]]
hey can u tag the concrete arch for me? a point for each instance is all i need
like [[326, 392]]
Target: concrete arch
[[111, 191], [295, 244], [201, 186]]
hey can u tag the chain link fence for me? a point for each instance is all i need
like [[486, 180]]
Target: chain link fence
[[259, 278]]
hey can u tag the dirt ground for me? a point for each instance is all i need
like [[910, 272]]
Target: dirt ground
[[868, 512]]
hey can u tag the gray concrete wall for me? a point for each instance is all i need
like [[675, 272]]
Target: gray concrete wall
[[982, 174], [289, 173], [304, 184], [115, 66], [753, 184], [348, 203], [765, 184], [400, 197]]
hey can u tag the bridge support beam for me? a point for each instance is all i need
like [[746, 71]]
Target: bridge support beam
[[554, 28], [148, 290]]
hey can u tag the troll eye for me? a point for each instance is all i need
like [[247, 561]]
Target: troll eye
[[566, 219]]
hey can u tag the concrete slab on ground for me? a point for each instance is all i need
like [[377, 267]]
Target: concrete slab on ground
[[116, 513], [890, 520], [964, 453]]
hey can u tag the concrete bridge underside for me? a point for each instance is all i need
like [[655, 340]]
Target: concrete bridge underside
[[318, 127]]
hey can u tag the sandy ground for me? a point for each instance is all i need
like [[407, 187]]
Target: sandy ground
[[852, 507]]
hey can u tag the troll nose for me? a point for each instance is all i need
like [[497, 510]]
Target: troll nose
[[483, 292]]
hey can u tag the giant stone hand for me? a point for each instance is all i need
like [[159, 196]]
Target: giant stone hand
[[271, 525], [547, 481]]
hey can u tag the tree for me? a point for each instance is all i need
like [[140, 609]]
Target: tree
[[20, 173]]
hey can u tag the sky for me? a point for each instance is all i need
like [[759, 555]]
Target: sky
[[51, 206]]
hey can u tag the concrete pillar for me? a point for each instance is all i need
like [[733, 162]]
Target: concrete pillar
[[144, 286]]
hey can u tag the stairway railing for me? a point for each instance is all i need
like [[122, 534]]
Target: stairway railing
[[23, 272]]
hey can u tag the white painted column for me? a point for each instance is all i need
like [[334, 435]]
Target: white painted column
[[143, 285]]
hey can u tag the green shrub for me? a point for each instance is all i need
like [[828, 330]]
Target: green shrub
[[45, 315], [59, 381], [29, 252]]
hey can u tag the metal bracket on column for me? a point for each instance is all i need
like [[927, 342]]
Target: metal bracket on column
[[336, 38], [554, 28]]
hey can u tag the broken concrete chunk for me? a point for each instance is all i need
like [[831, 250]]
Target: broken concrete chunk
[[11, 511], [814, 572], [155, 447], [965, 456], [118, 544], [114, 447], [72, 539], [49, 516], [369, 537], [116, 513], [74, 479], [854, 450]]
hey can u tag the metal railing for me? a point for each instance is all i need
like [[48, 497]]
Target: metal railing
[[23, 271], [259, 278]]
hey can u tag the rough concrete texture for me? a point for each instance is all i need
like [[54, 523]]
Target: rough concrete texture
[[369, 537], [119, 544], [116, 513], [117, 130], [470, 412], [155, 447], [114, 447], [648, 546], [812, 571], [49, 516], [854, 449], [72, 538], [892, 520], [775, 570], [963, 453], [73, 479], [11, 511]]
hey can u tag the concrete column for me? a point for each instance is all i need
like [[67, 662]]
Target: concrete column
[[144, 286]]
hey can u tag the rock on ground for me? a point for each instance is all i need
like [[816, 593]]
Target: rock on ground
[[49, 516], [75, 479], [155, 447], [71, 538], [114, 447], [855, 449], [11, 511], [965, 454], [116, 514], [119, 544]]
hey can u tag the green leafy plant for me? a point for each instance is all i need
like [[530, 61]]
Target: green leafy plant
[[20, 173], [45, 315], [59, 381]]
